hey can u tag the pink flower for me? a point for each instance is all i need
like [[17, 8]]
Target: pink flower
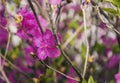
[[46, 45], [117, 78], [28, 57], [55, 2], [28, 24], [71, 73], [113, 62], [3, 37]]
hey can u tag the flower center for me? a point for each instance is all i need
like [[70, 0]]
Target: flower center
[[18, 18]]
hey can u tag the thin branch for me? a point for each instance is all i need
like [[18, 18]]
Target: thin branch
[[1, 77], [37, 19], [4, 75], [8, 43], [59, 12], [14, 66], [87, 43], [71, 37], [62, 52], [59, 72], [54, 32], [42, 10], [104, 18]]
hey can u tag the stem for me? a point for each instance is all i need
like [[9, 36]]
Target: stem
[[59, 72], [4, 75], [71, 37], [1, 77], [87, 43], [59, 46], [6, 51], [62, 52], [55, 77], [70, 62], [14, 66], [38, 22], [104, 18]]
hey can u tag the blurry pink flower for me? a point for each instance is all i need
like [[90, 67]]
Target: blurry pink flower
[[46, 45], [117, 77], [28, 57], [3, 37], [2, 9], [28, 24], [3, 31], [71, 73], [55, 2], [108, 41], [113, 62]]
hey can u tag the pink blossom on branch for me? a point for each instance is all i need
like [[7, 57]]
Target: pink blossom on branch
[[46, 45], [28, 24]]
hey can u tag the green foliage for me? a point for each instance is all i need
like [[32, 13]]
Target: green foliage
[[91, 80], [59, 60], [100, 48], [112, 81], [48, 72], [48, 77], [110, 10], [116, 48], [17, 2], [83, 51], [73, 24], [84, 81], [115, 2]]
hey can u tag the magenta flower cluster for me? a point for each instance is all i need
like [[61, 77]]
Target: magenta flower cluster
[[3, 31], [44, 44]]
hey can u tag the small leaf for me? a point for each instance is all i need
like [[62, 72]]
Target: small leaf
[[73, 24], [83, 51], [110, 10], [90, 80], [115, 2], [48, 72], [100, 48], [84, 81], [17, 2]]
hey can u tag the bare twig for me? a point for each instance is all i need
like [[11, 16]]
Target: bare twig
[[14, 66], [104, 18], [72, 37], [54, 32], [37, 19], [53, 25], [87, 43], [59, 72], [4, 75], [1, 77], [8, 42]]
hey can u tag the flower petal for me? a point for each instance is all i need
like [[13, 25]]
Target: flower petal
[[53, 52], [42, 53]]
